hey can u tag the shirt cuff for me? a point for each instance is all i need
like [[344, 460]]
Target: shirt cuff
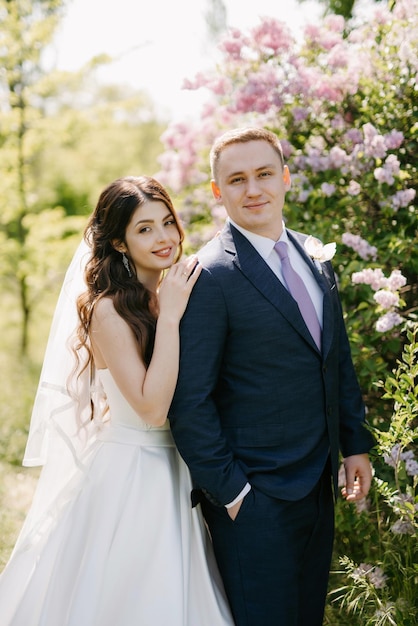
[[240, 496]]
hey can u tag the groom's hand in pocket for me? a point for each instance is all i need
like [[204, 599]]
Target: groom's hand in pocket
[[234, 509]]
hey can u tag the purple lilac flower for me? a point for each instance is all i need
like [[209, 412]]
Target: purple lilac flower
[[373, 573], [403, 527], [402, 198], [394, 139], [363, 249], [388, 321], [411, 467], [383, 175], [386, 298], [393, 457], [328, 189]]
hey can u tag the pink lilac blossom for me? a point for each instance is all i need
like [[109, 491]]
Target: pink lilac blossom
[[388, 321], [394, 139], [404, 9], [385, 296], [369, 132], [349, 79], [408, 53], [234, 43], [180, 161], [382, 16], [335, 23], [328, 89], [375, 278], [383, 175], [386, 299], [257, 92], [339, 56], [178, 173], [337, 157], [390, 169], [312, 32], [353, 188], [304, 78], [297, 80], [218, 85], [374, 143], [273, 35], [329, 39], [360, 245], [392, 164]]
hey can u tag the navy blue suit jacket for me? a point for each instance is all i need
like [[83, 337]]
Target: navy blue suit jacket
[[256, 400]]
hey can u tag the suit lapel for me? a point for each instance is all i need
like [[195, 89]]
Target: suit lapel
[[256, 270]]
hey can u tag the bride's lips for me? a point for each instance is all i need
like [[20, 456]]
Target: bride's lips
[[164, 252]]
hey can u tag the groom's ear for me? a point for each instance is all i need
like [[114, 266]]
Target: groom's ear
[[215, 190], [286, 178]]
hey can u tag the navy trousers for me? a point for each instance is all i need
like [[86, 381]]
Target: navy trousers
[[275, 557]]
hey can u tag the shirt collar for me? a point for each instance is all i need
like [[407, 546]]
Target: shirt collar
[[263, 245]]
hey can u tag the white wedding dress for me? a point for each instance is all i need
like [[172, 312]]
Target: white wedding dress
[[120, 545]]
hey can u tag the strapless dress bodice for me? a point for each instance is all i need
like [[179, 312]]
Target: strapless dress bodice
[[121, 412]]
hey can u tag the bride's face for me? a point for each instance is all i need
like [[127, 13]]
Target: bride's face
[[152, 239]]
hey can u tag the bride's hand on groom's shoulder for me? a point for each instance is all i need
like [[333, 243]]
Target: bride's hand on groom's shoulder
[[177, 286]]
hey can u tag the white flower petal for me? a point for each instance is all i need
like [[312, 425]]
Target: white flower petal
[[313, 246], [318, 251], [329, 251]]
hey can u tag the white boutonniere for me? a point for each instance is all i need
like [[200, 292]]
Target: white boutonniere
[[318, 251]]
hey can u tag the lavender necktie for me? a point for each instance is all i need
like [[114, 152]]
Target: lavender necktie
[[297, 289]]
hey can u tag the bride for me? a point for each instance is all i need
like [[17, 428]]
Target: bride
[[111, 538]]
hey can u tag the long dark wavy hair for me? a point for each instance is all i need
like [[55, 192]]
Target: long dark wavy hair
[[105, 273]]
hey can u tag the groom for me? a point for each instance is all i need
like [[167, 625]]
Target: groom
[[263, 404]]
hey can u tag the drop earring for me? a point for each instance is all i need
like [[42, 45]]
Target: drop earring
[[125, 261]]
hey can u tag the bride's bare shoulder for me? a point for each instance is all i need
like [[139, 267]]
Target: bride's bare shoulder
[[104, 308]]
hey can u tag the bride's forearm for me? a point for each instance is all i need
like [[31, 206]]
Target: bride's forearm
[[161, 377]]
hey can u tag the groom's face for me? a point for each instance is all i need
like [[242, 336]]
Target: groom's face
[[251, 184]]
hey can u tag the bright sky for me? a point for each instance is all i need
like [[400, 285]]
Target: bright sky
[[158, 43]]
